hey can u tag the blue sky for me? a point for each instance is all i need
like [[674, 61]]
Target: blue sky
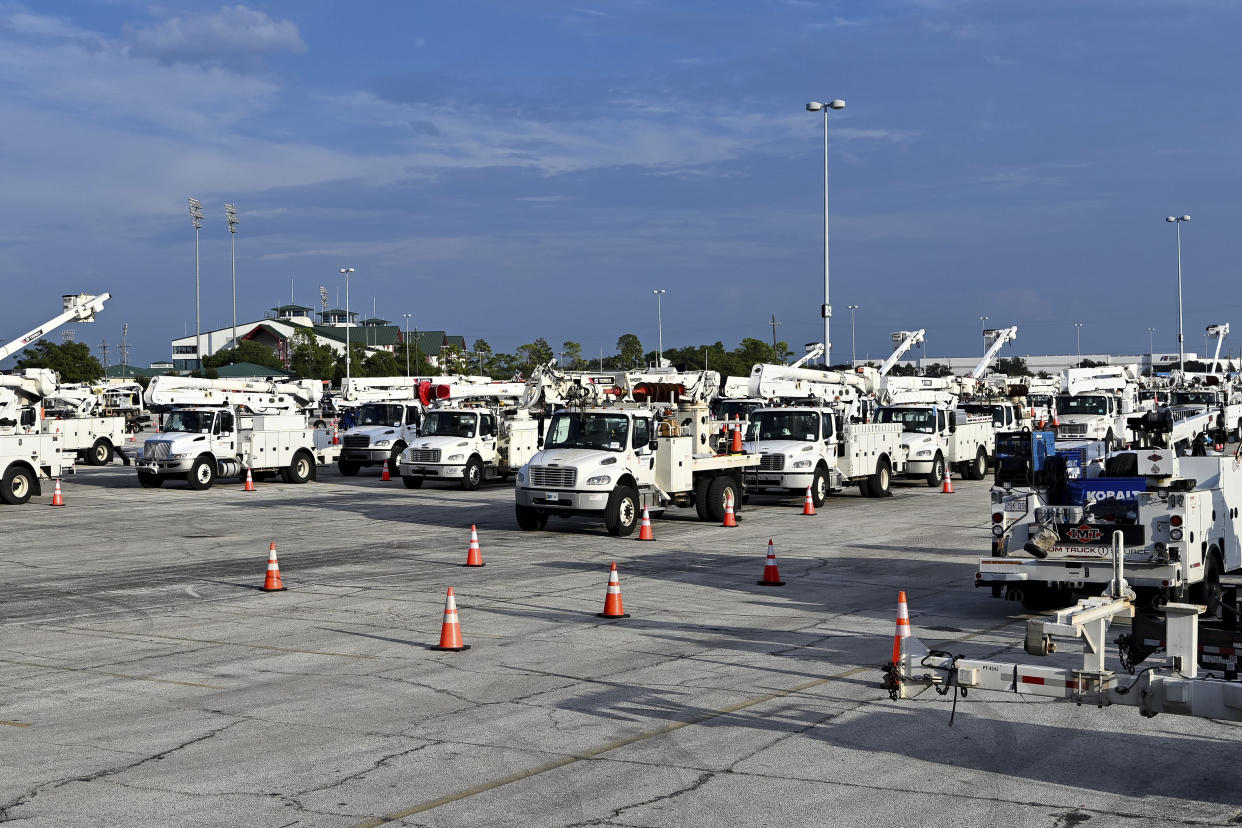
[[514, 170]]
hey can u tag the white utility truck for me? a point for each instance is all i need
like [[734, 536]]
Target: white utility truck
[[476, 433], [656, 447], [94, 419], [816, 438], [935, 434], [387, 414], [221, 428], [1097, 402], [1212, 394]]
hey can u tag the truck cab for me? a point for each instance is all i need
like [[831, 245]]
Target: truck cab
[[382, 430], [30, 452], [1095, 416], [936, 437], [188, 445], [469, 445]]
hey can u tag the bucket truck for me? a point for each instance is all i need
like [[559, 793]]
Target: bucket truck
[[654, 447], [903, 341], [387, 414], [1097, 402], [816, 438], [78, 307], [220, 428], [30, 452], [735, 400], [93, 419]]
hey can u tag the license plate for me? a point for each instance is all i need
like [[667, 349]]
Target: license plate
[[551, 497], [1014, 504]]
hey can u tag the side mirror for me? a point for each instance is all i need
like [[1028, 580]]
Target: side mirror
[[654, 444], [952, 428]]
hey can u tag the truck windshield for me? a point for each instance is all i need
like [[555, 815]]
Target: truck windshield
[[996, 412], [731, 409], [1194, 398], [385, 414], [1041, 400], [588, 430], [450, 424], [189, 422], [1082, 405], [922, 420], [785, 425]]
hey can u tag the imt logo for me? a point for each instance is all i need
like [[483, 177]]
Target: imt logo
[[1084, 534]]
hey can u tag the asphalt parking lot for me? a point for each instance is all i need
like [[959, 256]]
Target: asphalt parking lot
[[147, 680]]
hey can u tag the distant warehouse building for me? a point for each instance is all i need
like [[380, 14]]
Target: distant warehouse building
[[278, 328]]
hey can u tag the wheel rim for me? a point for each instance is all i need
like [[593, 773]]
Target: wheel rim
[[884, 478], [474, 475], [20, 486], [628, 511], [303, 468], [821, 486], [101, 454], [204, 473], [939, 469]]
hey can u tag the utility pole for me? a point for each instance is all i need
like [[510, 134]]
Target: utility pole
[[103, 346], [124, 349], [774, 325]]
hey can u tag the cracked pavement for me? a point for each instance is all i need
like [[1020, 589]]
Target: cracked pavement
[[146, 679]]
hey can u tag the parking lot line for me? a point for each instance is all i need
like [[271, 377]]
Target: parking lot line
[[61, 668], [130, 635]]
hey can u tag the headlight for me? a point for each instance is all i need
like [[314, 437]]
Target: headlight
[[521, 475], [381, 443], [1175, 534], [176, 457], [802, 464], [923, 453], [600, 480], [455, 458], [608, 461]]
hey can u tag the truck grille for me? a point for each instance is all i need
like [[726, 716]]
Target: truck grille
[[357, 441], [771, 462], [425, 455], [544, 477], [1073, 430], [156, 449]]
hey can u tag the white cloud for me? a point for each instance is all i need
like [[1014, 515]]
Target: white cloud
[[236, 37]]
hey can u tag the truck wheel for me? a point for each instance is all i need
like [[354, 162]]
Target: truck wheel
[[1208, 591], [878, 483], [302, 470], [700, 498], [819, 489], [201, 475], [17, 487], [936, 476], [527, 518], [348, 468], [720, 490], [978, 469], [100, 454], [150, 481], [621, 515], [394, 459], [412, 482], [473, 475]]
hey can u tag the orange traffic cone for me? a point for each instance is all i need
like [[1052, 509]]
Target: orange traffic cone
[[730, 519], [474, 555], [808, 505], [336, 436], [384, 475], [272, 582], [1056, 421], [249, 481], [947, 486], [903, 627], [58, 499], [450, 630], [736, 446], [771, 575], [644, 529], [613, 607]]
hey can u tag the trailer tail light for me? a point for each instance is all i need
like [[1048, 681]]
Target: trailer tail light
[[998, 517], [1176, 520]]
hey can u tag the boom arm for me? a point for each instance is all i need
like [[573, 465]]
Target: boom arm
[[903, 341], [80, 308], [260, 396], [1000, 338], [1220, 332], [814, 352]]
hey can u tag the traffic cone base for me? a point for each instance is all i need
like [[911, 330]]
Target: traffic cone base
[[272, 582], [771, 573], [644, 531], [58, 498], [474, 555], [613, 605], [450, 630], [808, 505]]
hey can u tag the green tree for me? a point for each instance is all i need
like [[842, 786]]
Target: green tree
[[571, 354], [1090, 363], [382, 364], [1012, 367], [534, 354], [505, 366], [481, 357], [937, 369], [72, 361], [453, 360], [629, 351], [310, 359], [246, 351], [357, 361]]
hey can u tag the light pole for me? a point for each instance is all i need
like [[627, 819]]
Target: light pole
[[659, 295], [983, 328], [196, 216], [853, 350], [230, 213], [1151, 351], [346, 271], [1181, 356], [1078, 326], [826, 309], [407, 343]]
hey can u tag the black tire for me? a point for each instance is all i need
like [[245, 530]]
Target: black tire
[[472, 477], [878, 484], [18, 485], [819, 488], [150, 481], [348, 468], [978, 468], [700, 498], [544, 517], [622, 513], [99, 454], [319, 424], [412, 482], [394, 459], [201, 475], [528, 518], [936, 476], [717, 493], [1209, 591], [302, 469]]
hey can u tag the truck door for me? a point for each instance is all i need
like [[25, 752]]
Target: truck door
[[641, 440], [224, 431], [487, 432], [830, 434]]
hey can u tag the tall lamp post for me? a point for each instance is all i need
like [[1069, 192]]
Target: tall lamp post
[[983, 328], [1151, 351], [407, 343], [659, 295], [826, 309], [196, 216], [853, 350], [1181, 356], [1078, 327], [345, 271], [230, 213]]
